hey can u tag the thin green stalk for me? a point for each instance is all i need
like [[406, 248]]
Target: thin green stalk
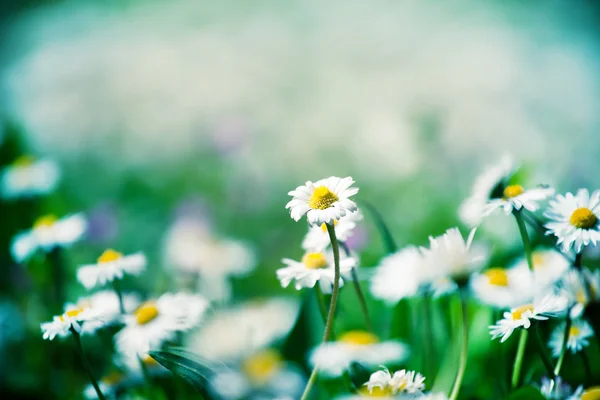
[[543, 353], [563, 351], [322, 307], [462, 366], [359, 293], [86, 364], [117, 287], [428, 340], [334, 297], [516, 376], [587, 366], [525, 237]]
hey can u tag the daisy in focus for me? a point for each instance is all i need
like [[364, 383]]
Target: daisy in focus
[[74, 318], [489, 185], [111, 265], [323, 201], [155, 322], [515, 197], [574, 220], [503, 287], [28, 177], [542, 309], [317, 238], [398, 275], [579, 333], [105, 305], [401, 382], [313, 268], [48, 232], [333, 358]]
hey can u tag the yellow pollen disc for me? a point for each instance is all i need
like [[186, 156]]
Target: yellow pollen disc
[[113, 378], [518, 312], [512, 191], [322, 198], [376, 392], [497, 276], [574, 331], [45, 222], [583, 218], [71, 313], [358, 338], [314, 260], [146, 312], [592, 393], [581, 297], [262, 365], [24, 161], [109, 255]]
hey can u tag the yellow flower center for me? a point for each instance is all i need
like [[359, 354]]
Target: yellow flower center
[[512, 191], [538, 260], [108, 256], [261, 366], [322, 198], [574, 331], [497, 276], [45, 222], [518, 312], [358, 338], [113, 378], [71, 313], [24, 161], [581, 297], [592, 393], [146, 312], [314, 260], [324, 226], [583, 218], [376, 392]]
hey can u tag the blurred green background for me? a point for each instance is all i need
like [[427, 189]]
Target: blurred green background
[[154, 108]]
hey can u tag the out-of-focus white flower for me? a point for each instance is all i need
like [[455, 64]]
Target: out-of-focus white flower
[[28, 177], [48, 232], [315, 267], [157, 321], [263, 375], [574, 219], [401, 382], [515, 197], [317, 238], [105, 304], [548, 267], [237, 332], [323, 201], [333, 358], [503, 287], [580, 288], [489, 185], [398, 275], [111, 265], [540, 309], [108, 386], [579, 332], [74, 317], [556, 389], [449, 255]]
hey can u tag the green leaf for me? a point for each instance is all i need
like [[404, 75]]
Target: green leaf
[[183, 366], [388, 240], [526, 393]]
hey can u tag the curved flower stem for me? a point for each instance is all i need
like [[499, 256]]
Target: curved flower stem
[[542, 350], [359, 293], [561, 358], [323, 308], [523, 231], [519, 359], [334, 297], [86, 364], [117, 287], [462, 366]]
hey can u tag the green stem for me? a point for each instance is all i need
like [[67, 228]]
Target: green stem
[[322, 307], [147, 378], [428, 340], [462, 366], [359, 292], [563, 351], [519, 359], [334, 297], [525, 237], [86, 364], [117, 287], [542, 350]]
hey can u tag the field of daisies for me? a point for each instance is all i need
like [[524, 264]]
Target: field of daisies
[[331, 315]]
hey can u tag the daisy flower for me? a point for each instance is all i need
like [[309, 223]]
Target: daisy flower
[[323, 201], [503, 287], [264, 374], [157, 321], [231, 334], [48, 233], [489, 185], [75, 317], [548, 267], [105, 305], [398, 275], [111, 265], [515, 197], [333, 358], [28, 177], [556, 389], [580, 288], [574, 219], [401, 382], [548, 306], [579, 333], [450, 255], [317, 238]]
